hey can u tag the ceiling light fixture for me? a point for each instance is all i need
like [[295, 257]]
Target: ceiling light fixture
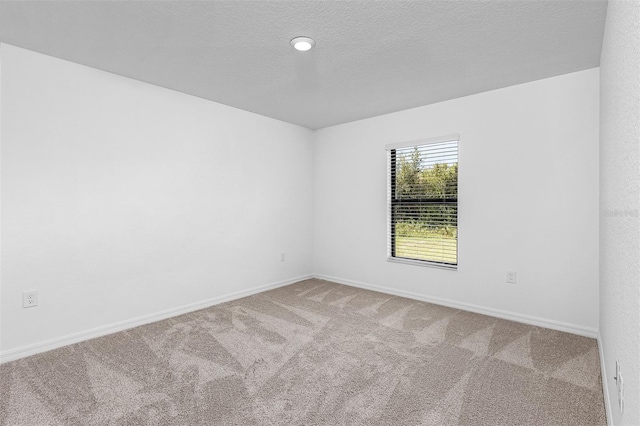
[[303, 43]]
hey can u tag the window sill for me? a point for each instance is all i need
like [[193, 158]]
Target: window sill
[[422, 263]]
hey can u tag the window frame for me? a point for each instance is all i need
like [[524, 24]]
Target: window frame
[[393, 201]]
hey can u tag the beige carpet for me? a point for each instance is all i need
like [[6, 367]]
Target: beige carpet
[[313, 353]]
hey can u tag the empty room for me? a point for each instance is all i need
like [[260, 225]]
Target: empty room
[[320, 212]]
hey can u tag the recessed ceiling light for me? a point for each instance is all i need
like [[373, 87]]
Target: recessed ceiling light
[[303, 43]]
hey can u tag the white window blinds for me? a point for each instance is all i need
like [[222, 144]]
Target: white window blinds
[[423, 201]]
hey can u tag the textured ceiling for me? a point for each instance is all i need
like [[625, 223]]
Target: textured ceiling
[[370, 58]]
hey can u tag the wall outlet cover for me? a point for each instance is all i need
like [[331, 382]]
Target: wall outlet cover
[[30, 298], [621, 392]]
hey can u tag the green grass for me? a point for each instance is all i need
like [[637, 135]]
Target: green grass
[[437, 245]]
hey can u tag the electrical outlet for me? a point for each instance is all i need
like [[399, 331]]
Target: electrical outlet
[[621, 392], [619, 386], [282, 257], [511, 277], [30, 298]]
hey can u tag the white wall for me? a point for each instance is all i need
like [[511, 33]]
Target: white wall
[[620, 205], [528, 185], [122, 199]]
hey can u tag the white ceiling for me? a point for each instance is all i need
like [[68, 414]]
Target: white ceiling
[[370, 58]]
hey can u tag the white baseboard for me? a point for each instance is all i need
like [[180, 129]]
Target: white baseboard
[[512, 316], [605, 384], [47, 345]]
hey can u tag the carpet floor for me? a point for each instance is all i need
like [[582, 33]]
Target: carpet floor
[[313, 353]]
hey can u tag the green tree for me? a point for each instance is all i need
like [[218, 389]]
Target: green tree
[[408, 175], [440, 181]]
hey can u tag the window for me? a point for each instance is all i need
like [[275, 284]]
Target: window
[[423, 202]]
